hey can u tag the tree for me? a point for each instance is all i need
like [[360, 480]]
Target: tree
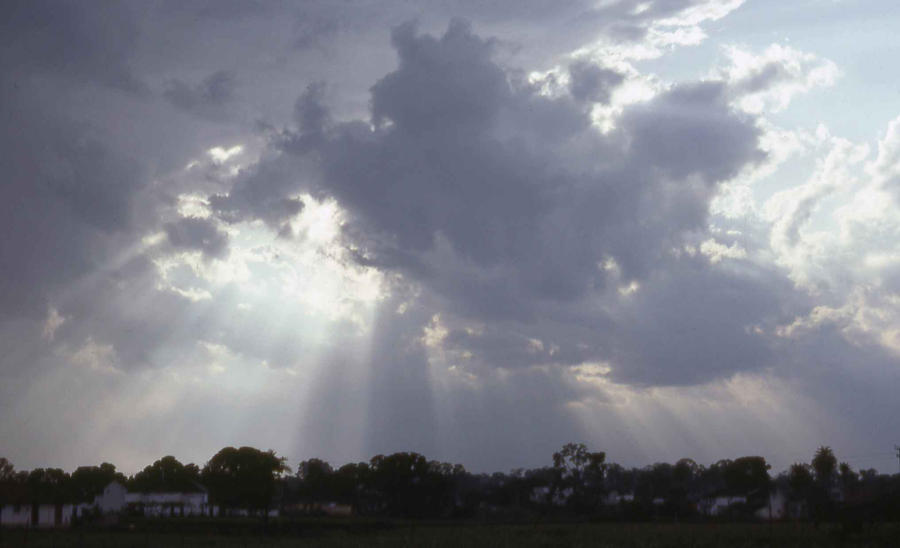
[[7, 470], [685, 476], [617, 478], [824, 465], [747, 476], [12, 485], [581, 472], [801, 483], [244, 477], [316, 483], [90, 481], [48, 485], [848, 477], [399, 481], [167, 475], [348, 483]]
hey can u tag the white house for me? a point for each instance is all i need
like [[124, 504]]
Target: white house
[[112, 499], [36, 515], [777, 508], [169, 504], [716, 506], [542, 493], [115, 499], [614, 497]]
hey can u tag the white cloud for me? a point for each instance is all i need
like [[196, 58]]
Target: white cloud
[[767, 82], [717, 251], [53, 321]]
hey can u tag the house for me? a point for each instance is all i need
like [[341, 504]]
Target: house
[[43, 515], [170, 504], [778, 506], [115, 499], [20, 507], [614, 497], [112, 499], [719, 505], [544, 494]]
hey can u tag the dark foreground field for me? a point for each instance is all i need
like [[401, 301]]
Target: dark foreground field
[[345, 533]]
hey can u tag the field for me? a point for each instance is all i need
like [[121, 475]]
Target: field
[[352, 533]]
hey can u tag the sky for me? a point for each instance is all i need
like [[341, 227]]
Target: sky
[[474, 230]]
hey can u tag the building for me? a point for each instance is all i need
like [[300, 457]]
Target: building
[[116, 499], [719, 505], [169, 504], [43, 515], [112, 500]]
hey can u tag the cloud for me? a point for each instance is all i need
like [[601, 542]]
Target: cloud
[[63, 40], [589, 82], [885, 167], [197, 234], [207, 98], [770, 80], [259, 194], [478, 235], [458, 187], [68, 197]]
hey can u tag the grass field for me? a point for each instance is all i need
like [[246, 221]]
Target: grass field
[[325, 533]]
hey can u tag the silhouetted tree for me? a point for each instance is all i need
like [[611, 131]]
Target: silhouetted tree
[[747, 476], [316, 482], [166, 475], [7, 470], [802, 484], [90, 481], [349, 482], [685, 480], [407, 484], [244, 477], [848, 478], [13, 488], [824, 464], [398, 480], [49, 485], [580, 473]]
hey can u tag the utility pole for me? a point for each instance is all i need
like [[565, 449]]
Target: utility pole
[[897, 449]]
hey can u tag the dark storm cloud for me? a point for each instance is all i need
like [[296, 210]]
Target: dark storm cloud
[[63, 39], [506, 202], [66, 197], [690, 324], [204, 10], [261, 194], [490, 209], [691, 131], [206, 98], [590, 82], [445, 85], [197, 234], [67, 200], [312, 30], [464, 153]]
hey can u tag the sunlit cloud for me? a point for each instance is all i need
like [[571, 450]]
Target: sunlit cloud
[[638, 224]]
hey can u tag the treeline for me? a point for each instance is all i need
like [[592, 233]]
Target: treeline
[[576, 483]]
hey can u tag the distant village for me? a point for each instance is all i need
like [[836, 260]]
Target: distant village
[[249, 483]]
